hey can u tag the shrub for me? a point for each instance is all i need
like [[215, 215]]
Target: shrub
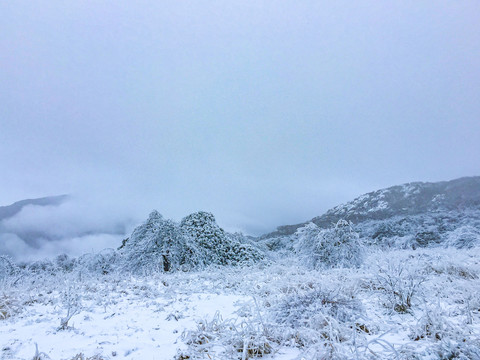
[[7, 267], [317, 315], [427, 238], [8, 306], [102, 263], [463, 237], [432, 325], [65, 263], [71, 300], [242, 340], [447, 339], [336, 247], [9, 276], [326, 322], [400, 284], [46, 267]]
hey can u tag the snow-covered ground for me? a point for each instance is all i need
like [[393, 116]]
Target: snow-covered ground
[[403, 304]]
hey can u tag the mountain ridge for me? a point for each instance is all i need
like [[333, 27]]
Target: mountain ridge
[[13, 209], [408, 199]]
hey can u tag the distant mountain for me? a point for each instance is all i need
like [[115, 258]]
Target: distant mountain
[[13, 209], [410, 202]]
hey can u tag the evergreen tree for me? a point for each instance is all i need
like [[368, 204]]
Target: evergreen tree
[[213, 244], [163, 245], [156, 245]]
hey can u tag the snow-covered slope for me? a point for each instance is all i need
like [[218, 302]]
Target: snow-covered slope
[[400, 304], [446, 204]]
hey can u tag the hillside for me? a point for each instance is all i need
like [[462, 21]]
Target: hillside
[[453, 199]]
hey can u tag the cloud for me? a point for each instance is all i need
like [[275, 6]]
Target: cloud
[[14, 246], [74, 227], [66, 220], [20, 250]]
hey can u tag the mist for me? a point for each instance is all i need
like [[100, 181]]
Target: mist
[[74, 227]]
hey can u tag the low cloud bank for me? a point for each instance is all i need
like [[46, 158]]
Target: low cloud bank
[[74, 227]]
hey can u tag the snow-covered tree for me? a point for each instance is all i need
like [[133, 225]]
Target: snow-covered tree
[[201, 229], [156, 245], [213, 244], [163, 245], [245, 251], [327, 248], [308, 244]]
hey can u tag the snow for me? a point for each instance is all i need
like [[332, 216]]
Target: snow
[[128, 325], [411, 189], [381, 205], [154, 317]]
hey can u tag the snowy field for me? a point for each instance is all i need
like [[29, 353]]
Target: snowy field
[[401, 304]]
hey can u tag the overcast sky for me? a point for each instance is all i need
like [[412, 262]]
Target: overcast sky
[[262, 112]]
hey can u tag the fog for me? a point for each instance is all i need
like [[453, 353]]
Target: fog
[[263, 113], [74, 227]]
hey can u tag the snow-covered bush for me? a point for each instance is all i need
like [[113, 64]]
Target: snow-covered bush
[[327, 323], [245, 251], [432, 325], [339, 246], [308, 245], [452, 269], [463, 237], [250, 340], [457, 228], [279, 245], [427, 238], [42, 267], [8, 268], [233, 339], [105, 262], [8, 306], [448, 339], [463, 350], [65, 263], [317, 314], [386, 230], [72, 302], [10, 273], [400, 282]]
